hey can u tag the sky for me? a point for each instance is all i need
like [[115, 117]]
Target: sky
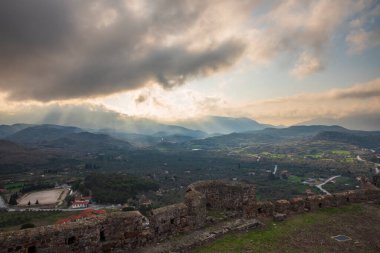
[[278, 62]]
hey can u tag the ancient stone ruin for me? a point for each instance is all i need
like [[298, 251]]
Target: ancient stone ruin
[[128, 231]]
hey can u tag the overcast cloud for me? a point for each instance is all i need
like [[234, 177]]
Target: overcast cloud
[[58, 50], [52, 49], [88, 62]]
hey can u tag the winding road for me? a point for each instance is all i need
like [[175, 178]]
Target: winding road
[[319, 186], [275, 170]]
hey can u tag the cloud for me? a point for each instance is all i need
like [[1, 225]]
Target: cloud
[[364, 34], [359, 91], [141, 98], [360, 40], [335, 103], [303, 30], [56, 50], [306, 65], [60, 50], [182, 104]]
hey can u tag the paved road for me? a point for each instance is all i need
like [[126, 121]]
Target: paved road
[[360, 159], [2, 203], [275, 170], [319, 186]]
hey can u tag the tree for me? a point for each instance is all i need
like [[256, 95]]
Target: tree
[[13, 199], [37, 202], [29, 203]]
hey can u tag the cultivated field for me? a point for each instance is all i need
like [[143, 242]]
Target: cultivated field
[[45, 197]]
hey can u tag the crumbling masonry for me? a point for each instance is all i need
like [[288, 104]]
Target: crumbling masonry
[[127, 231]]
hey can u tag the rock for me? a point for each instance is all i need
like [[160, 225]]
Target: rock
[[279, 217]]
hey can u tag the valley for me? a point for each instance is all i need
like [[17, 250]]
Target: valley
[[282, 163]]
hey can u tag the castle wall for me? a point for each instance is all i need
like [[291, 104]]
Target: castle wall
[[264, 208], [227, 195], [127, 231], [169, 220], [315, 202], [106, 234]]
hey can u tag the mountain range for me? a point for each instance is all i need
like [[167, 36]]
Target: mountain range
[[364, 121]]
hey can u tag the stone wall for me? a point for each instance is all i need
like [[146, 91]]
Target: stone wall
[[314, 202], [109, 233], [127, 231], [227, 195], [169, 220]]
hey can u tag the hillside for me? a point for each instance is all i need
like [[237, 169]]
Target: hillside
[[360, 138], [15, 157], [7, 130], [365, 121], [41, 133], [88, 142], [309, 232]]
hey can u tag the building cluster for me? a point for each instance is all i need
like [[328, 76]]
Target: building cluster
[[81, 202]]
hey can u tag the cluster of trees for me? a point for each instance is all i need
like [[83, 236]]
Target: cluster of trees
[[117, 188]]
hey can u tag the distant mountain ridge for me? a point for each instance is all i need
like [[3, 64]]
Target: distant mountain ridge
[[359, 138], [265, 136], [223, 125], [364, 121], [67, 138], [89, 142], [41, 133], [6, 130]]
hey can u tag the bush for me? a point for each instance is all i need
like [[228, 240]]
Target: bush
[[27, 225]]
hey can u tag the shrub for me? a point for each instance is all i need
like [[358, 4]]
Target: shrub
[[27, 225]]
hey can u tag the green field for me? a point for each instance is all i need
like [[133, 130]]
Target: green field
[[14, 220], [341, 152], [295, 179], [14, 186], [341, 184], [309, 232]]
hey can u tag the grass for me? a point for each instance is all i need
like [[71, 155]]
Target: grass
[[316, 156], [295, 179], [216, 214], [14, 186], [340, 184], [309, 232], [280, 189], [13, 220], [341, 152]]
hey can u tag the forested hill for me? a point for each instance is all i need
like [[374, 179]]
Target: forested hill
[[359, 138]]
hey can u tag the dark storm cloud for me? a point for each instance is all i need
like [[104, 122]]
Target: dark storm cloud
[[54, 49]]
